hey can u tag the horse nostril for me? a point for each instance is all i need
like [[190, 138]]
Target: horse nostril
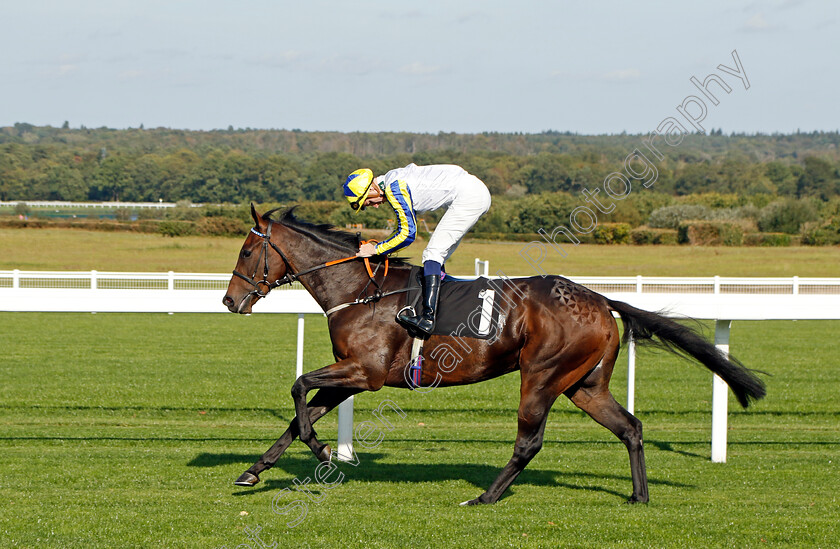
[[227, 301]]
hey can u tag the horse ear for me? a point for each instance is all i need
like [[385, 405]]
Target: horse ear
[[255, 215]]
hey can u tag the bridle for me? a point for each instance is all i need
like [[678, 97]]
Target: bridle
[[290, 275], [288, 278]]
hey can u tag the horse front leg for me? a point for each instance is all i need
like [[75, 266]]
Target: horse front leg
[[346, 374], [321, 404]]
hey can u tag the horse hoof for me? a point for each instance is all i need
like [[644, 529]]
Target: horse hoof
[[633, 500], [246, 479], [475, 501], [326, 454]]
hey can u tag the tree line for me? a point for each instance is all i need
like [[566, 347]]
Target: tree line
[[778, 183], [44, 163]]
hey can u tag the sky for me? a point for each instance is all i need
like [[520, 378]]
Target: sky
[[432, 66]]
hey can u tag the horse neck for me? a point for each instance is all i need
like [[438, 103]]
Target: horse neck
[[329, 286]]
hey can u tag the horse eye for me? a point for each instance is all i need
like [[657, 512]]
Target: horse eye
[[246, 253]]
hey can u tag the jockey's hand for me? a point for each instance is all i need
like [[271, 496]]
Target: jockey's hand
[[366, 250]]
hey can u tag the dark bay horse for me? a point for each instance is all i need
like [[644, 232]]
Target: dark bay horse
[[561, 337]]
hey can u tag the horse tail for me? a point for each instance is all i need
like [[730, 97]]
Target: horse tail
[[687, 342]]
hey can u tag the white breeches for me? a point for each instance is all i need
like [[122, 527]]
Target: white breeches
[[472, 202]]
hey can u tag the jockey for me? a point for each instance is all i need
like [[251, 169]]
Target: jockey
[[417, 189]]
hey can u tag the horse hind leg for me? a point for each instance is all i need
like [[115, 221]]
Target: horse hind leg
[[542, 382], [321, 404], [592, 395], [533, 413]]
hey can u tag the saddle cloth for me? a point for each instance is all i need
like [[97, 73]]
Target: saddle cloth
[[466, 308]]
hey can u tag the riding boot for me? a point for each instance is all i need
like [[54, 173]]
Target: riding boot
[[424, 323]]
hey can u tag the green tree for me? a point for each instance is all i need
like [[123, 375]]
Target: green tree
[[787, 216], [547, 173], [64, 183], [781, 175], [112, 180], [176, 168], [325, 176], [281, 178], [146, 175], [819, 179], [546, 211]]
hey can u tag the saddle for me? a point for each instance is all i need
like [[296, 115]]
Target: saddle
[[465, 308]]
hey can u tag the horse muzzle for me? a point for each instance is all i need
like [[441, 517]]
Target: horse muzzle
[[243, 307]]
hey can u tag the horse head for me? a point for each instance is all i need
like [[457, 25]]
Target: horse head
[[258, 268]]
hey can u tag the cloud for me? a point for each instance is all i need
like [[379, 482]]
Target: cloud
[[757, 23], [824, 24], [166, 52], [162, 78], [356, 65], [131, 74], [67, 68], [401, 15], [788, 4], [122, 58], [622, 75], [472, 17], [419, 69], [280, 59]]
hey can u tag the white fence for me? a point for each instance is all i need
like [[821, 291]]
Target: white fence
[[110, 205], [713, 298]]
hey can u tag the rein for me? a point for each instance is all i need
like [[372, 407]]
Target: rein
[[291, 276]]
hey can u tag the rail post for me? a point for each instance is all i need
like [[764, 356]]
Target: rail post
[[345, 430], [631, 373], [720, 396], [299, 361]]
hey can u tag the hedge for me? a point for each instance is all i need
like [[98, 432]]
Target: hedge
[[647, 235], [612, 233], [710, 233], [767, 239]]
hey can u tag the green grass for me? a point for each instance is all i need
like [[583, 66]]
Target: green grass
[[126, 430], [120, 430], [62, 249]]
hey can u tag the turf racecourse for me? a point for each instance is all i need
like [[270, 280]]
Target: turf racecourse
[[63, 249], [121, 430]]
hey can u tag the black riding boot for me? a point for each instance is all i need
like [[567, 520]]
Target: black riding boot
[[424, 323]]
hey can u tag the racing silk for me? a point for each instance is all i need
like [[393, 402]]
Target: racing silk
[[422, 188], [432, 187], [398, 196]]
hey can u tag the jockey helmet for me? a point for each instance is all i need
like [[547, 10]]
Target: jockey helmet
[[356, 187]]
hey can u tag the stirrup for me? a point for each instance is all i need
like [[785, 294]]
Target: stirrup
[[412, 331], [411, 312], [404, 309]]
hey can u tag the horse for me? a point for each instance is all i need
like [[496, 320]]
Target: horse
[[562, 337]]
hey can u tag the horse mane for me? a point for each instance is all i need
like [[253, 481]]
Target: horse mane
[[328, 233]]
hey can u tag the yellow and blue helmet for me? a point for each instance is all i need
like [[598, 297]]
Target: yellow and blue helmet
[[356, 187]]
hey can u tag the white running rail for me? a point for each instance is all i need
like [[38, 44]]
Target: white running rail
[[721, 299]]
